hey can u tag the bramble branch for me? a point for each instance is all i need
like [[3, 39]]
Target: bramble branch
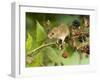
[[40, 47]]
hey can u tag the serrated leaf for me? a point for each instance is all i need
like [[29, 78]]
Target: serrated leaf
[[28, 43], [40, 32]]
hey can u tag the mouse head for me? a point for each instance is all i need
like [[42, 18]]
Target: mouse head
[[53, 33]]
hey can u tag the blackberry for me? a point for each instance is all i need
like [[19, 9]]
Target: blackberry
[[82, 38], [76, 23]]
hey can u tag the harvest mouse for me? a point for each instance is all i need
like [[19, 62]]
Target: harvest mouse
[[59, 33]]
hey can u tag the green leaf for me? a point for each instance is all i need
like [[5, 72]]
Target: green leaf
[[28, 43], [52, 54], [40, 32]]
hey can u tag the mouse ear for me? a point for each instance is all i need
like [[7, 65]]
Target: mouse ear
[[55, 29]]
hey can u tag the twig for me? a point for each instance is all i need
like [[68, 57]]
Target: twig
[[44, 45]]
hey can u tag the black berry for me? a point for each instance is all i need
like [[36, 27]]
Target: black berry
[[82, 38], [76, 24]]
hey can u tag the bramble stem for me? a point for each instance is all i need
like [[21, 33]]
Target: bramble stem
[[44, 45]]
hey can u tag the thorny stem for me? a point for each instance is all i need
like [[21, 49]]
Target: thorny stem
[[44, 45]]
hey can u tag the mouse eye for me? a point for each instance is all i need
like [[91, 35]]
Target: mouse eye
[[52, 33]]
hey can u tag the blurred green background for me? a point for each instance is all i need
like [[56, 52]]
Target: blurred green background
[[37, 27]]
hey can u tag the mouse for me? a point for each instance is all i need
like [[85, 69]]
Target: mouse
[[59, 33]]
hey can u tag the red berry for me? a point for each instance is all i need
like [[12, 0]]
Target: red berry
[[65, 55]]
